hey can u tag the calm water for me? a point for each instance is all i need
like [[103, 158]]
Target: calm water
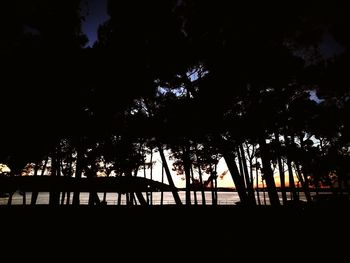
[[224, 198]]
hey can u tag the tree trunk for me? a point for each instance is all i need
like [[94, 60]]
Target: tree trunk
[[104, 199], [141, 198], [119, 198], [94, 198], [63, 194], [34, 196], [293, 192], [24, 195], [78, 172], [139, 194], [151, 177], [241, 171], [194, 188], [187, 165], [162, 193], [257, 181], [200, 179], [170, 179], [9, 201], [129, 195], [202, 185], [302, 175], [215, 180], [264, 194], [291, 181], [69, 174], [281, 170], [249, 183], [211, 179], [237, 179], [304, 183], [54, 197], [268, 174], [145, 176]]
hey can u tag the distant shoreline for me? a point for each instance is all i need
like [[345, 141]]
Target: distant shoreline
[[224, 189]]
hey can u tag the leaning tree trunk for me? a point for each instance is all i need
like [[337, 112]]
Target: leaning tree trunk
[[139, 194], [170, 179], [230, 160], [268, 174], [304, 183], [240, 165]]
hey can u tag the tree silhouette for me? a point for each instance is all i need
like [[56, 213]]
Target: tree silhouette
[[201, 80]]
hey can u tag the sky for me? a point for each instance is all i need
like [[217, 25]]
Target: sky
[[329, 47], [95, 13]]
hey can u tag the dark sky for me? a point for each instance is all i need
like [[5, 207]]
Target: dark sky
[[95, 12], [330, 47]]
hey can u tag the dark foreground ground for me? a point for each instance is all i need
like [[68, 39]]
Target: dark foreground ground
[[149, 232], [169, 218]]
